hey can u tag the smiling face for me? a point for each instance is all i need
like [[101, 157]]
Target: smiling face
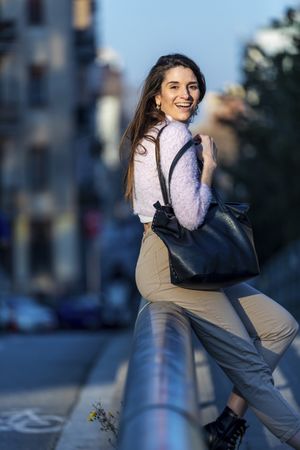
[[179, 94]]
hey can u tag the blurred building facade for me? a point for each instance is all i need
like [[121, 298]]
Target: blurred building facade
[[109, 114], [109, 107], [221, 109], [46, 48]]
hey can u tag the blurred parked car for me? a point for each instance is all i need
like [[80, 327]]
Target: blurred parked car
[[83, 311], [23, 313], [5, 314], [5, 289]]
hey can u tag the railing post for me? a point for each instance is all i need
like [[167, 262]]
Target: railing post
[[160, 408]]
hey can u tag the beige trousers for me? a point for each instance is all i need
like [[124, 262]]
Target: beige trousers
[[244, 330]]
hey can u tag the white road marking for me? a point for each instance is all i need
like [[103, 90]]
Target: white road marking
[[30, 421]]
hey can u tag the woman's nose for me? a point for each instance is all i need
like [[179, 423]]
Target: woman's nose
[[185, 92]]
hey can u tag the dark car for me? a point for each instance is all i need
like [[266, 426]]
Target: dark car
[[82, 311]]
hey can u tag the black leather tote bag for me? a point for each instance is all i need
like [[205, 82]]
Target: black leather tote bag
[[219, 253]]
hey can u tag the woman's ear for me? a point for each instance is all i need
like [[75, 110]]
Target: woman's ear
[[158, 100]]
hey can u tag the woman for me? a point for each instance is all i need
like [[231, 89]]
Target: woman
[[244, 330]]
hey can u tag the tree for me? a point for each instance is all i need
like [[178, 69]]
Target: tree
[[267, 170]]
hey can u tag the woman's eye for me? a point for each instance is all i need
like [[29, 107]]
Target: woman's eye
[[174, 87], [194, 87]]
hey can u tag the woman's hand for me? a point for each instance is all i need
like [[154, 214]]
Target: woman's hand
[[206, 151]]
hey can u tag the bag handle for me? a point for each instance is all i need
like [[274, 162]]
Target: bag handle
[[166, 193]]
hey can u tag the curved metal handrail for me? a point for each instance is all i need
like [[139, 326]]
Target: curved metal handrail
[[160, 402]]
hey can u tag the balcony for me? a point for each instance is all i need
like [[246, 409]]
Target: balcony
[[85, 47], [8, 35]]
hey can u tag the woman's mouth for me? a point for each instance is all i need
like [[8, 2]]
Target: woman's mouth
[[184, 106]]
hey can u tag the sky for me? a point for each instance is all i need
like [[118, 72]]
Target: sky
[[213, 33]]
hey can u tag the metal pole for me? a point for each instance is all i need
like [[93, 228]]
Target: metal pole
[[160, 410]]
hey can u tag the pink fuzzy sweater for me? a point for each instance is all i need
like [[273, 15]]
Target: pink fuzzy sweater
[[190, 197]]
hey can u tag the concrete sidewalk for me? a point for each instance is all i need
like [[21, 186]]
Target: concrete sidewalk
[[105, 383]]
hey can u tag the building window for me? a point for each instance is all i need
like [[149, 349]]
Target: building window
[[37, 86], [40, 248], [38, 168], [35, 12]]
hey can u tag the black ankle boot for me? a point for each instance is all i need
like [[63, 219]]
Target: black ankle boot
[[226, 432]]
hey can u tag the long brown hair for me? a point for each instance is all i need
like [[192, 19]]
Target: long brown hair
[[146, 115]]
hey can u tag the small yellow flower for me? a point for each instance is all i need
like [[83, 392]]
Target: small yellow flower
[[92, 416]]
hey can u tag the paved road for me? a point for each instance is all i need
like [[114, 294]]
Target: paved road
[[40, 381]]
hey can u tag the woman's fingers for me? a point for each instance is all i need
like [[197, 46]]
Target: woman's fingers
[[206, 148], [214, 149]]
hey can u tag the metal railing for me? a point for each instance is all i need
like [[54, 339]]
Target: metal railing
[[160, 409]]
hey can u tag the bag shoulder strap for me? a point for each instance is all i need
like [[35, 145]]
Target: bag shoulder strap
[[186, 146], [159, 171], [166, 192]]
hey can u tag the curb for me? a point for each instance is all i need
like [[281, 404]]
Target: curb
[[79, 433]]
